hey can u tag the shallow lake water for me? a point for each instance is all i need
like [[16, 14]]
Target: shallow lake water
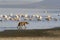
[[12, 25]]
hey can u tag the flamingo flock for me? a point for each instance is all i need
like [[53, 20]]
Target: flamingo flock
[[19, 17]]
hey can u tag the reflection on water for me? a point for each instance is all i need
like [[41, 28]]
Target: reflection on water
[[32, 24], [12, 25]]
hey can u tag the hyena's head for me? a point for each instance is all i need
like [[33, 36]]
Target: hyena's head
[[26, 22]]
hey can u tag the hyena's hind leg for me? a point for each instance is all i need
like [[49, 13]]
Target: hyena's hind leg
[[24, 27]]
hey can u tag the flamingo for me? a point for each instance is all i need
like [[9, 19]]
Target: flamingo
[[48, 18], [39, 18], [26, 17], [11, 15], [21, 15], [16, 18], [32, 17], [3, 17]]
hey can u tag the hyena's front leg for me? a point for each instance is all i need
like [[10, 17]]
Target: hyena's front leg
[[19, 27]]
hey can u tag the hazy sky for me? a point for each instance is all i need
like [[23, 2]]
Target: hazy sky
[[30, 3], [3, 2], [23, 0]]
